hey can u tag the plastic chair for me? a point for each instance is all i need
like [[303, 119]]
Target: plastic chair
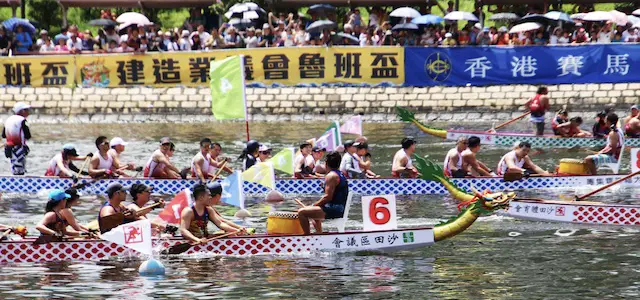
[[614, 167], [342, 223]]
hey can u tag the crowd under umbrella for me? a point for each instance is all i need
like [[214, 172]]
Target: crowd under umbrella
[[405, 27], [558, 16], [342, 38], [321, 25], [405, 12], [508, 17], [597, 16], [102, 22], [461, 16], [523, 27], [12, 23], [321, 9], [619, 18], [427, 19], [133, 18]]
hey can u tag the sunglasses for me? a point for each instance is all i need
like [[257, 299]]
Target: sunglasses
[[265, 152]]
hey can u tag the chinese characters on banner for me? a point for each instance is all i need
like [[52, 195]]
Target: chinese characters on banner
[[522, 65], [286, 66]]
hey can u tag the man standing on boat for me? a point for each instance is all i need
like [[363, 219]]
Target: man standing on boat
[[332, 204], [159, 165], [101, 164], [117, 145], [470, 164], [453, 159], [518, 161], [611, 151], [304, 162], [349, 165], [16, 132], [199, 163], [195, 219], [61, 165], [402, 166], [538, 105]]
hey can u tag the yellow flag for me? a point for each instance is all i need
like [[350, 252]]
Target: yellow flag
[[261, 173]]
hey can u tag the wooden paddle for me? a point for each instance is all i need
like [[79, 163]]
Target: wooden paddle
[[115, 220], [86, 161], [510, 121], [606, 186], [47, 238], [5, 233], [219, 171], [515, 176], [181, 248]]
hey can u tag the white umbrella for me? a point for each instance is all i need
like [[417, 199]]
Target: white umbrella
[[525, 27], [460, 15], [597, 16], [633, 19], [619, 18], [405, 12], [133, 18], [636, 12], [578, 16]]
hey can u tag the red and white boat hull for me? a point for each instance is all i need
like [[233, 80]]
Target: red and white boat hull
[[575, 212]]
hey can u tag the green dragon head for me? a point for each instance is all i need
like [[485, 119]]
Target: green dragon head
[[405, 115]]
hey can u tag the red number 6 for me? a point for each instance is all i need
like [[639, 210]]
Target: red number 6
[[638, 159], [374, 209]]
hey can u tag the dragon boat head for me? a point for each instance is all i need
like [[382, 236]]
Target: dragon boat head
[[492, 201], [404, 114]]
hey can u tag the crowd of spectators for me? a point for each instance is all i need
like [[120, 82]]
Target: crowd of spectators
[[289, 30]]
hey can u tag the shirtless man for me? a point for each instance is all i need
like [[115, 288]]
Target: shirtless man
[[402, 166], [632, 123], [453, 159], [634, 113], [518, 161], [101, 164], [470, 164], [158, 165], [200, 163]]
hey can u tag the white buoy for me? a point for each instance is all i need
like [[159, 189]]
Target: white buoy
[[243, 213], [151, 267]]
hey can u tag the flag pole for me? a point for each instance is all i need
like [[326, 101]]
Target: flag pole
[[244, 96]]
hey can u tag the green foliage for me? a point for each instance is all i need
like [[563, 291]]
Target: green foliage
[[404, 114], [46, 12]]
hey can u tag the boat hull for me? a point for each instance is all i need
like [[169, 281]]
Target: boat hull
[[10, 184], [575, 212], [509, 139], [95, 250]]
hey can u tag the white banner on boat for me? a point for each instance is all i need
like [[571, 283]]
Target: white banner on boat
[[135, 235], [635, 160], [379, 213]]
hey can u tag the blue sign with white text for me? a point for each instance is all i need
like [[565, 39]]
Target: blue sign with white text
[[460, 66]]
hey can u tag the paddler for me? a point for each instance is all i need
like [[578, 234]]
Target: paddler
[[117, 145], [214, 162], [538, 106], [61, 165], [561, 117], [402, 166], [611, 151], [16, 132], [319, 168], [349, 165], [635, 111], [264, 153], [199, 163], [332, 204], [53, 223], [159, 165], [364, 160], [116, 194], [141, 195], [67, 212], [101, 164], [470, 164], [632, 124], [571, 128], [303, 163], [453, 159], [194, 219], [518, 161], [249, 154], [600, 129]]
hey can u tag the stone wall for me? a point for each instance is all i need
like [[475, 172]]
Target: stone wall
[[141, 104]]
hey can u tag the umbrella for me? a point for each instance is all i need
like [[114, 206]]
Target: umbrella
[[558, 16], [123, 28], [102, 22], [338, 38], [504, 17], [619, 18], [427, 19], [636, 12], [460, 15], [133, 18], [252, 14], [405, 12], [238, 21], [633, 19], [320, 25], [535, 18], [405, 26], [321, 9], [578, 16], [597, 16], [525, 27], [11, 23]]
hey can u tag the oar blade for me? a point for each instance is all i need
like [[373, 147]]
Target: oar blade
[[513, 176], [45, 239], [112, 221], [177, 249]]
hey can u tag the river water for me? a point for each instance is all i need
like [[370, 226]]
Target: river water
[[498, 257]]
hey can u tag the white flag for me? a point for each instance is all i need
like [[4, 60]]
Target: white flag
[[135, 235], [328, 140], [352, 126]]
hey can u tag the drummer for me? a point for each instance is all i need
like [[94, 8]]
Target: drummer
[[332, 204], [53, 223], [194, 219], [611, 151], [518, 161]]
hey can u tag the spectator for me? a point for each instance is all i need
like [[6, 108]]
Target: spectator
[[112, 47], [101, 40], [514, 40], [427, 38], [473, 35], [74, 44], [87, 41], [156, 46], [604, 36], [196, 44], [632, 37], [185, 43], [527, 39], [268, 38], [172, 45], [581, 36], [302, 37], [23, 40], [287, 38], [132, 38], [557, 34], [111, 34], [355, 18], [450, 42], [43, 37], [484, 38], [627, 33], [251, 40], [539, 39], [204, 36], [5, 42], [124, 47], [367, 40], [215, 41], [73, 30], [565, 39], [374, 16], [62, 46], [463, 37], [493, 33], [47, 46], [231, 39], [503, 36], [144, 44], [62, 35], [617, 38]]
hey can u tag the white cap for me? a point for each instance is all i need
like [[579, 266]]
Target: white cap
[[478, 25], [265, 26], [185, 33], [117, 141], [448, 35], [20, 106], [263, 148]]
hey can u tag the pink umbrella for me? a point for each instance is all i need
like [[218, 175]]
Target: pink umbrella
[[619, 18]]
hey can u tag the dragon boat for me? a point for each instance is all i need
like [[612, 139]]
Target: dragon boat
[[581, 212], [509, 139]]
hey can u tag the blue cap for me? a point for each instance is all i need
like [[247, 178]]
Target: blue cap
[[58, 195]]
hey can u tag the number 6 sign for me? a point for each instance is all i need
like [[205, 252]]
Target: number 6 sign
[[379, 213]]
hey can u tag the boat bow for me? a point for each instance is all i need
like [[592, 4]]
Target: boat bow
[[407, 116]]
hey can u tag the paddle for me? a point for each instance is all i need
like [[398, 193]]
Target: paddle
[[606, 186], [45, 239], [509, 122], [181, 248], [5, 233], [219, 171], [86, 161], [515, 176], [112, 221]]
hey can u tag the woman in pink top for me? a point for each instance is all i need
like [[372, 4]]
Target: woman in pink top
[[62, 46]]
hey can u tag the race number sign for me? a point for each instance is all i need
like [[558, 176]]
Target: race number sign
[[379, 213], [635, 160]]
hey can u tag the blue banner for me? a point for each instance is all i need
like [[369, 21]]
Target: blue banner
[[232, 192], [461, 66]]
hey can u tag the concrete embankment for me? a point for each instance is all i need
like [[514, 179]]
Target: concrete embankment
[[140, 104]]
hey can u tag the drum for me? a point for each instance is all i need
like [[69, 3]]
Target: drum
[[283, 223], [570, 166]]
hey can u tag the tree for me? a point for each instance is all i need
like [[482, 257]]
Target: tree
[[46, 12]]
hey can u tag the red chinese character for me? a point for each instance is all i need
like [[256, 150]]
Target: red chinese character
[[559, 211]]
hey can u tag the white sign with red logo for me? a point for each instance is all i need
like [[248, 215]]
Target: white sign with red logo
[[135, 235], [635, 160], [379, 213]]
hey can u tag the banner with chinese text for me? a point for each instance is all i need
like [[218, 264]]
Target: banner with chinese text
[[39, 71], [522, 65]]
